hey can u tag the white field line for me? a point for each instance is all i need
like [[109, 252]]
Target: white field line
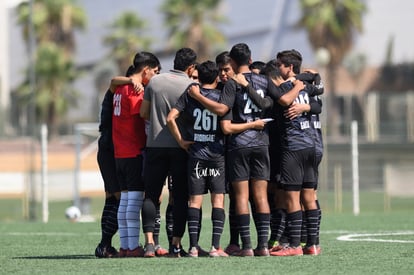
[[372, 237]]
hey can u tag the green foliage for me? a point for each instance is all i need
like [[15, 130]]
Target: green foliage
[[53, 93], [54, 23], [331, 24], [193, 24], [126, 39]]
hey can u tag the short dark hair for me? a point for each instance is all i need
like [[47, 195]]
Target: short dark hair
[[223, 58], [271, 69], [240, 54], [257, 65], [290, 57], [207, 72], [141, 60], [184, 58]]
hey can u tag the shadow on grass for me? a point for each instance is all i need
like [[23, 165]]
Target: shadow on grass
[[57, 257]]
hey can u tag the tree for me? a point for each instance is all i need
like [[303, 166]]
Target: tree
[[332, 24], [126, 39], [54, 23], [55, 74], [193, 24]]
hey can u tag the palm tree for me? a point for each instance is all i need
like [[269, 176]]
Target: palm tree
[[54, 93], [53, 21], [332, 24], [126, 39], [193, 24]]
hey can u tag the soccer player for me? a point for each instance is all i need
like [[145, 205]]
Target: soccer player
[[206, 166], [128, 133], [106, 163], [297, 162], [247, 157], [163, 154], [267, 103], [314, 107]]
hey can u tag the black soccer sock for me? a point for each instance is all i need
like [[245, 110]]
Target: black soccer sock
[[199, 224], [303, 230], [319, 221], [157, 225], [244, 230], [262, 228], [193, 222], [109, 220], [218, 217], [294, 224], [233, 224], [312, 226], [277, 224], [169, 220]]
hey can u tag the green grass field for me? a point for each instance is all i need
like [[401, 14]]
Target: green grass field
[[373, 242]]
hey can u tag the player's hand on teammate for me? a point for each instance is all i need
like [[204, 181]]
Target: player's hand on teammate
[[299, 84], [194, 90], [240, 79], [295, 110], [138, 87], [185, 144]]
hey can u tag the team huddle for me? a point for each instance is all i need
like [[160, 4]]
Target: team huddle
[[247, 129]]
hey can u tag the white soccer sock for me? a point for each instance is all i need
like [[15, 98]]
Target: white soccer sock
[[122, 221], [133, 212]]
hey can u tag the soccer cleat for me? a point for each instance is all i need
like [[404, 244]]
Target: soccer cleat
[[311, 250], [202, 252], [217, 252], [105, 252], [288, 251], [232, 249], [149, 250], [177, 252], [135, 253], [193, 252], [122, 253], [261, 252], [278, 247], [111, 252], [248, 252], [159, 251]]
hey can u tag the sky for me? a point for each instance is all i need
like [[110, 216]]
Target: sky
[[265, 25]]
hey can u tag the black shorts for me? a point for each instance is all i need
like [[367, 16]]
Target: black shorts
[[163, 162], [204, 176], [249, 163], [129, 173], [274, 154], [298, 169], [107, 166]]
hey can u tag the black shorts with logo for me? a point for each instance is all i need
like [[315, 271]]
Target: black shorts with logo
[[206, 176]]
